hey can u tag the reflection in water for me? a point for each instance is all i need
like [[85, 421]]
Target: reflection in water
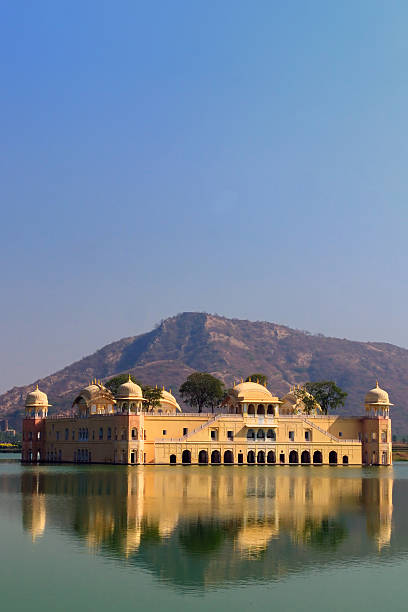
[[206, 526]]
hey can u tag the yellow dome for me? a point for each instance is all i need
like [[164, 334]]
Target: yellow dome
[[377, 396], [36, 398], [252, 392], [168, 399], [130, 390]]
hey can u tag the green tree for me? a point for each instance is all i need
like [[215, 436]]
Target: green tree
[[262, 379], [327, 394], [201, 390], [153, 396], [309, 402]]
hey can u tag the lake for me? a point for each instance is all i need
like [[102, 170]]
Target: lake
[[203, 537]]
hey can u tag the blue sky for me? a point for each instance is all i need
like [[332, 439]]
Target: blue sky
[[245, 158]]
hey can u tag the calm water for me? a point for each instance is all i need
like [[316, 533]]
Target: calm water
[[203, 538]]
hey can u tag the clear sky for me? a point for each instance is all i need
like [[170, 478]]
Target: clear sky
[[246, 158]]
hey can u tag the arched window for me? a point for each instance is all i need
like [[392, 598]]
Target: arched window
[[186, 456], [271, 435], [215, 456], [345, 460], [251, 457], [203, 456], [260, 457], [134, 434], [333, 457], [109, 435], [260, 409], [271, 409], [250, 434], [101, 433], [271, 457], [251, 409], [228, 457], [317, 457], [260, 434], [293, 457]]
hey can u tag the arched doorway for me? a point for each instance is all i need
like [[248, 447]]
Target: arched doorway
[[293, 457], [305, 457], [173, 459], [228, 457], [261, 409], [186, 456], [251, 409], [215, 456], [271, 457], [345, 460], [333, 458], [203, 456], [251, 457], [282, 458], [260, 457], [317, 457], [240, 458], [384, 458], [270, 409]]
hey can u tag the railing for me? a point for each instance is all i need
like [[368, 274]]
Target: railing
[[194, 431], [328, 434]]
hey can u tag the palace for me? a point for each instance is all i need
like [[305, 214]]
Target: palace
[[256, 428]]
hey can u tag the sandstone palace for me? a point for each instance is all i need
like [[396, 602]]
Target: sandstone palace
[[256, 427]]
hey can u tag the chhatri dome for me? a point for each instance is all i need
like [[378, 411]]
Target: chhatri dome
[[252, 392], [129, 390], [168, 400], [377, 397], [36, 398]]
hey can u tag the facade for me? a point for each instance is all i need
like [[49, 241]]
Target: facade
[[256, 427]]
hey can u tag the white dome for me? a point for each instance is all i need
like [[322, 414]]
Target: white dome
[[130, 390], [377, 396], [253, 392], [36, 398], [168, 399]]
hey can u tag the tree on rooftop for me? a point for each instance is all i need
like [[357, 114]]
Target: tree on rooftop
[[328, 395], [201, 390]]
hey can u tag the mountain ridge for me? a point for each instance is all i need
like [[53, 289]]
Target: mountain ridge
[[229, 349]]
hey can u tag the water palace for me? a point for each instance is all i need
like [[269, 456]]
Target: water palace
[[256, 428]]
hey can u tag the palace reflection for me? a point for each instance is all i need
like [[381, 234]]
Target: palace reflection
[[207, 526]]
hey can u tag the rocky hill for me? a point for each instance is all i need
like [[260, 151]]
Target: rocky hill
[[229, 349]]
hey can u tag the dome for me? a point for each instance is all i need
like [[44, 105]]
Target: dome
[[168, 398], [377, 396], [253, 392], [36, 398], [130, 390]]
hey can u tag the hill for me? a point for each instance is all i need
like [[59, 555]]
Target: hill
[[229, 349]]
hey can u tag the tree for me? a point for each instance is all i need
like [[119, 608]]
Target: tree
[[309, 402], [328, 395], [153, 396], [262, 379], [201, 390]]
